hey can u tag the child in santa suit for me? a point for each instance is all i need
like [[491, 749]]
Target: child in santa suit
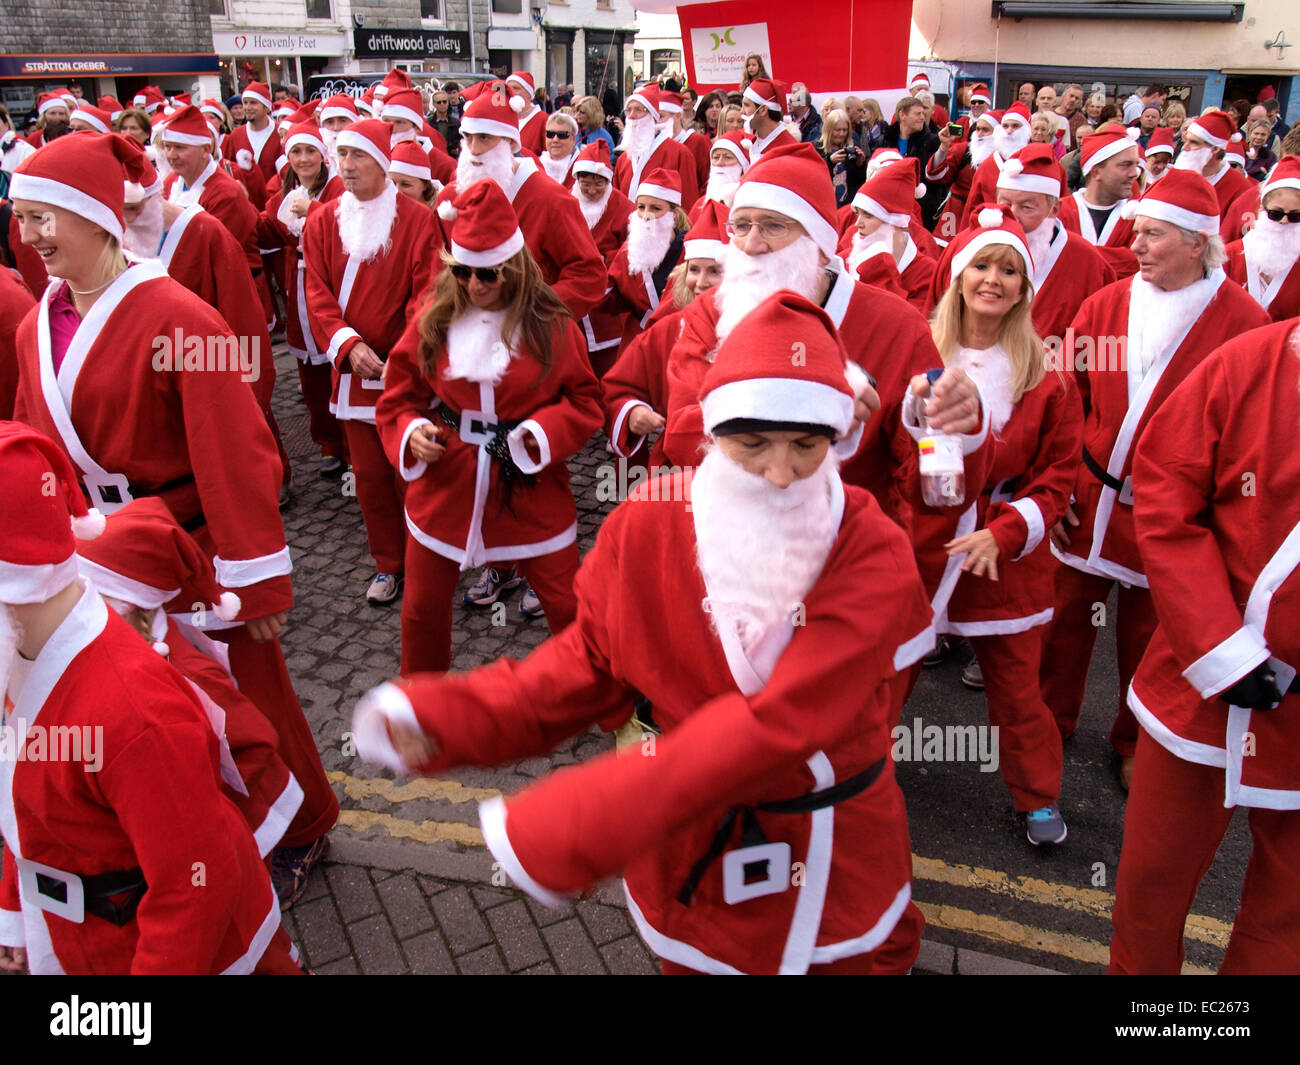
[[992, 577], [767, 833], [1216, 693], [488, 393], [307, 186], [655, 235], [607, 213], [121, 855]]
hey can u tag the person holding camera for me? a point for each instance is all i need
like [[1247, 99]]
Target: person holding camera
[[846, 161]]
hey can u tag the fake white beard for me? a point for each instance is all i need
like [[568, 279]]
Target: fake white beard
[[747, 280], [497, 164], [366, 226], [144, 235], [330, 138], [1164, 315], [723, 182], [990, 369], [593, 210], [285, 214], [159, 159], [1193, 159], [1272, 246], [760, 548], [10, 634], [1007, 144], [638, 135], [475, 351], [1039, 240], [981, 148], [557, 169], [405, 135], [872, 244], [648, 240]]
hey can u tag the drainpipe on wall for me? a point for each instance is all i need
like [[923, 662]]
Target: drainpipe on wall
[[473, 55]]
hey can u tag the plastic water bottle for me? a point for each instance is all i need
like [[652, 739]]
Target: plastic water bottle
[[943, 468]]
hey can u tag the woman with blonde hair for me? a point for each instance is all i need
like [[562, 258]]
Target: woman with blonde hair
[[846, 162], [591, 122], [487, 394], [992, 577], [733, 118]]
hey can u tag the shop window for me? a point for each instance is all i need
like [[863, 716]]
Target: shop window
[[319, 9], [431, 9], [508, 7], [664, 59], [217, 8]]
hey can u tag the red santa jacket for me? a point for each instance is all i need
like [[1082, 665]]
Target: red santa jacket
[[1224, 565], [532, 130], [879, 270], [222, 197], [1118, 404], [239, 141], [459, 507], [351, 301], [700, 148], [1280, 297], [1229, 184], [640, 379], [152, 804], [736, 732], [780, 137], [556, 234], [1112, 243], [642, 293], [15, 302], [983, 188], [610, 231], [955, 171], [28, 264], [664, 152], [151, 399], [845, 225], [1241, 214]]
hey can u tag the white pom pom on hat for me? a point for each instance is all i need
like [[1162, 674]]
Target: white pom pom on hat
[[447, 212], [162, 648], [1014, 167], [989, 217], [244, 158], [1236, 136], [517, 104], [1129, 210], [89, 525], [1133, 133], [919, 191], [227, 608]]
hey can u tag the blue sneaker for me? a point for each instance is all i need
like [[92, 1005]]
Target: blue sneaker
[[491, 585], [529, 605], [1045, 825]]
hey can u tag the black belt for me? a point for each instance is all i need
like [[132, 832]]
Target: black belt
[[1100, 472], [97, 892], [140, 491], [498, 448], [752, 835]]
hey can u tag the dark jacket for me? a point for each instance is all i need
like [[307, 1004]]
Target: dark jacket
[[846, 177], [921, 146]]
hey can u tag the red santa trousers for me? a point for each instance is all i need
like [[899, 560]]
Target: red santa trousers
[[1173, 825], [380, 491], [261, 674], [1029, 743], [325, 430], [431, 583], [278, 959], [1067, 648]]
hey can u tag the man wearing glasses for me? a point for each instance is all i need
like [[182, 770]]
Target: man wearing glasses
[[444, 123], [1264, 260]]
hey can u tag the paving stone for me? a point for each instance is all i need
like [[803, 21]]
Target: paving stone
[[405, 904], [484, 962], [460, 921], [629, 956], [342, 967], [487, 897], [353, 891], [936, 958], [375, 946], [544, 969], [427, 953], [322, 938], [604, 923], [544, 915], [516, 935], [572, 948]]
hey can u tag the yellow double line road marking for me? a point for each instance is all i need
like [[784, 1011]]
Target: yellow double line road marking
[[1090, 901]]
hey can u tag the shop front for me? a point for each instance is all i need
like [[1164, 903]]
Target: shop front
[[277, 57]]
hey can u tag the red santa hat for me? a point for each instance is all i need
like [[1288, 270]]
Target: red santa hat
[[671, 103], [188, 126], [1162, 140], [1033, 169], [41, 512], [149, 99], [412, 160], [113, 106], [84, 175], [706, 238], [890, 193], [766, 93], [594, 159], [738, 144], [1182, 198], [473, 92], [1100, 146], [305, 133], [339, 106], [919, 80], [754, 379], [1236, 153], [50, 100], [1216, 128], [663, 184], [365, 102], [484, 229], [145, 558], [793, 180], [494, 113], [69, 96], [979, 93], [992, 119], [525, 81], [648, 97], [993, 225], [395, 80], [1285, 175], [258, 92], [404, 103], [1019, 112], [96, 119], [371, 136], [213, 109]]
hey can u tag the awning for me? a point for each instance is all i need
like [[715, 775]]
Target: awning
[[108, 65]]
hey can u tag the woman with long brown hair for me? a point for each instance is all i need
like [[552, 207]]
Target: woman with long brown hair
[[994, 574], [708, 114], [487, 393]]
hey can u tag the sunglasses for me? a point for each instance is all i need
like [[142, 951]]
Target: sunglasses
[[489, 275], [562, 134], [1276, 214]]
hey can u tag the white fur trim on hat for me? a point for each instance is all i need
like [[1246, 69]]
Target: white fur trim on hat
[[701, 249], [661, 192], [58, 101], [587, 166], [337, 112], [171, 136], [348, 138], [1018, 181], [1281, 183], [1160, 149], [863, 202], [778, 399], [644, 102], [786, 201], [1165, 211], [410, 170], [214, 111], [987, 238], [90, 120], [398, 111], [119, 586], [981, 98], [1206, 135], [249, 94], [492, 256], [1119, 144], [309, 139], [47, 190], [491, 127], [739, 152], [758, 101]]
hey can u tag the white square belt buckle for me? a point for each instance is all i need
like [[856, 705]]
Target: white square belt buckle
[[52, 890], [752, 872], [476, 427], [108, 493], [1126, 492]]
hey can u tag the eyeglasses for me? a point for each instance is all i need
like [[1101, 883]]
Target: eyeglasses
[[767, 230], [489, 275], [1276, 214], [562, 134]]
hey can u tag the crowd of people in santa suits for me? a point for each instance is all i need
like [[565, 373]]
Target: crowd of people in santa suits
[[1107, 377]]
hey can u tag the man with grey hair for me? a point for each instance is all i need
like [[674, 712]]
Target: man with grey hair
[[804, 114]]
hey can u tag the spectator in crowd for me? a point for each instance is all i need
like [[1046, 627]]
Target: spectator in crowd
[[453, 100], [754, 68], [564, 98], [1092, 109], [1070, 108], [1239, 109], [708, 112], [690, 99], [1146, 124], [832, 103], [235, 105], [1259, 113], [1027, 93], [908, 132], [1259, 157], [135, 124], [1152, 94], [870, 132], [591, 122], [1042, 130], [1045, 99], [733, 118], [846, 161], [444, 123], [1274, 111], [807, 119]]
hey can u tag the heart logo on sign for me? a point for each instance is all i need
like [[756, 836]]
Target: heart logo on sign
[[240, 41]]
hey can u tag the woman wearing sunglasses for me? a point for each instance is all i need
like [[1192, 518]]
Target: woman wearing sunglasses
[[1264, 261], [488, 392], [561, 148]]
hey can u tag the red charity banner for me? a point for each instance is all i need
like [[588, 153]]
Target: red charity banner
[[828, 45]]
